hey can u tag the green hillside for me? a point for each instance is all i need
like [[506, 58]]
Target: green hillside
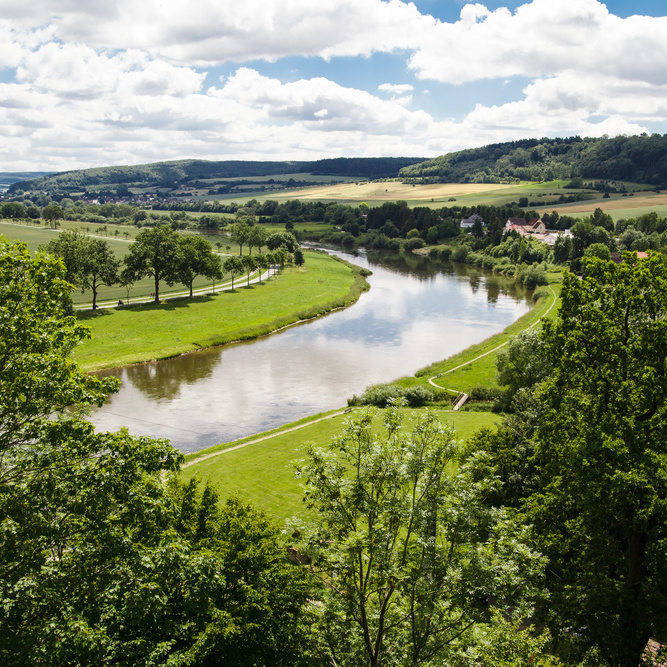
[[188, 172], [640, 159]]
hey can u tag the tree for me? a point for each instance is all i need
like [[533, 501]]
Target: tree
[[256, 237], [249, 264], [52, 212], [239, 233], [408, 559], [584, 459], [90, 263], [100, 561], [599, 250], [262, 264], [282, 239], [197, 259], [233, 266], [523, 363], [155, 253], [298, 257]]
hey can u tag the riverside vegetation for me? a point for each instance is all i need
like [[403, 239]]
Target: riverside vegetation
[[540, 541], [124, 567]]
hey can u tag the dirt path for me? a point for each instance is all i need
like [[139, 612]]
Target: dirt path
[[495, 349], [264, 437]]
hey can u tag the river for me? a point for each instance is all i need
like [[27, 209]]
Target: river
[[416, 312]]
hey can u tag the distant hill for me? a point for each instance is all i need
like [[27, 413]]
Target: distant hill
[[7, 178], [639, 159], [179, 172]]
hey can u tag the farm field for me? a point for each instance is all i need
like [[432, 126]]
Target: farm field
[[381, 191]]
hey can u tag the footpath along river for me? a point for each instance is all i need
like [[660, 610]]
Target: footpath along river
[[416, 312]]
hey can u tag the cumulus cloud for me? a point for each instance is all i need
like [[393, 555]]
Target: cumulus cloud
[[92, 82], [542, 38], [209, 31]]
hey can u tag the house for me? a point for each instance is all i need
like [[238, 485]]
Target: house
[[468, 223], [534, 226]]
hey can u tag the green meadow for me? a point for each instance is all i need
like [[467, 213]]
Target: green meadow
[[127, 335], [263, 471]]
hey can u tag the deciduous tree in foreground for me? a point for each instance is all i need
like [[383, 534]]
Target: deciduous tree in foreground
[[100, 562], [584, 461], [412, 566]]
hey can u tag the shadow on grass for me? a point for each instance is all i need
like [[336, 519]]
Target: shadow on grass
[[168, 305]]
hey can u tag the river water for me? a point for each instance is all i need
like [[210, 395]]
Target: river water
[[416, 312]]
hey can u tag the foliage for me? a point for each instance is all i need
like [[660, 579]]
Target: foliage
[[639, 159], [196, 259], [234, 267], [409, 560], [99, 562], [381, 395], [155, 253], [584, 460], [90, 263]]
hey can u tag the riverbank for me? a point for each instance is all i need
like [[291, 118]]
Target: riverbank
[[148, 332], [260, 467]]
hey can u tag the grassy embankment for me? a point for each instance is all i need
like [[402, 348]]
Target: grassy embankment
[[260, 468], [140, 333], [263, 471]]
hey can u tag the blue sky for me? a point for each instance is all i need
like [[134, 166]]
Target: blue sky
[[91, 83]]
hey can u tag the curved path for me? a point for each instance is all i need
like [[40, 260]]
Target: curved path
[[495, 349], [273, 434]]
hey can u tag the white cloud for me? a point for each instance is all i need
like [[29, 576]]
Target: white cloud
[[542, 38], [204, 32], [123, 82], [396, 88]]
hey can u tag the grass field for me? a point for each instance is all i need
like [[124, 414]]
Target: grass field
[[263, 472], [37, 235], [127, 335]]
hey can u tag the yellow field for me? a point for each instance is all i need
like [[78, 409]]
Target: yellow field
[[391, 191], [650, 201]]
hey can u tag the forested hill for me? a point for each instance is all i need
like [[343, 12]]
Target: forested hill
[[640, 159], [168, 174]]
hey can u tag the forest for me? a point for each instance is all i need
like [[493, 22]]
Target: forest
[[640, 159]]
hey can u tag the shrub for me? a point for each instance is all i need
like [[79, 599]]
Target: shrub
[[460, 253], [534, 275], [445, 253], [413, 242], [417, 396], [378, 395]]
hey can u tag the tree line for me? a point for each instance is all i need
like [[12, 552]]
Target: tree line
[[638, 159], [165, 256]]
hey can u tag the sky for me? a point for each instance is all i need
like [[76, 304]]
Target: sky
[[87, 83]]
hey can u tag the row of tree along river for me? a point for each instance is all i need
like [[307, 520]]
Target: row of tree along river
[[416, 312]]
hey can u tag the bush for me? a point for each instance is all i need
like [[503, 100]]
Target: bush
[[444, 253], [460, 253], [417, 396], [413, 243], [378, 395], [481, 393]]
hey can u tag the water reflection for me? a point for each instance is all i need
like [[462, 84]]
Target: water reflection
[[417, 311]]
